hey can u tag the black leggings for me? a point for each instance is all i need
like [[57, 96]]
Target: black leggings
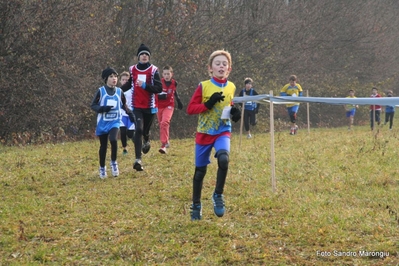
[[125, 134], [112, 136], [249, 119], [389, 117], [143, 125]]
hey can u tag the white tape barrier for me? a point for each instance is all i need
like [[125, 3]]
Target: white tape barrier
[[384, 101]]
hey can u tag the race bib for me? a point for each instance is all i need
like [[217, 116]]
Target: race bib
[[111, 103], [111, 115], [226, 112], [142, 77]]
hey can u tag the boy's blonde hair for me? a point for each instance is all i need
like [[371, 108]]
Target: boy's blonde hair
[[167, 67], [293, 78], [124, 73], [248, 80], [216, 53]]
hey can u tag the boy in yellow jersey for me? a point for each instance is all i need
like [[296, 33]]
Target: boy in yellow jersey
[[295, 90], [350, 109], [212, 101]]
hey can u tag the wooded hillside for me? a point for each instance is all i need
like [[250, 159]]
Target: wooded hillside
[[52, 54]]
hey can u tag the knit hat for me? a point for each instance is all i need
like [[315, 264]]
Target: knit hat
[[107, 72], [143, 49]]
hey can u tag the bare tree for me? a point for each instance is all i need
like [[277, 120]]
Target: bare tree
[[52, 53]]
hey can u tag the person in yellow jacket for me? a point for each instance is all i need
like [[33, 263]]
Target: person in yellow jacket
[[212, 101], [295, 90], [350, 109]]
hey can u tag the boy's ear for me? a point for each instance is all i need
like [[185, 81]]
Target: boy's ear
[[210, 70]]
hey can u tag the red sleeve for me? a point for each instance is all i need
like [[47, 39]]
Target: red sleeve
[[195, 106]]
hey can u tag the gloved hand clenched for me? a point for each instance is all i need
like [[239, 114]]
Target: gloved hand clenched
[[216, 97], [104, 109], [132, 118], [235, 114], [179, 105]]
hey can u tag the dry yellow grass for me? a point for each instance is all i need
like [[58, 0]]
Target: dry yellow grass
[[337, 196]]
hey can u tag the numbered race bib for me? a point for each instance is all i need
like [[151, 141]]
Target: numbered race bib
[[112, 103], [226, 112], [111, 115]]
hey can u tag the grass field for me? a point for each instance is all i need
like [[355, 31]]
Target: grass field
[[337, 203]]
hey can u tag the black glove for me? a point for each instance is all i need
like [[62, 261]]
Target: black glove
[[257, 109], [216, 97], [162, 96], [179, 105], [235, 114], [104, 109], [132, 118]]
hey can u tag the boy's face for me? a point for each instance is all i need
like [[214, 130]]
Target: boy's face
[[124, 79], [248, 86], [220, 67], [167, 75], [144, 58], [292, 82], [112, 80], [374, 91], [351, 93]]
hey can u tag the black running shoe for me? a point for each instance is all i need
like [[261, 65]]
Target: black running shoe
[[146, 147], [138, 165]]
